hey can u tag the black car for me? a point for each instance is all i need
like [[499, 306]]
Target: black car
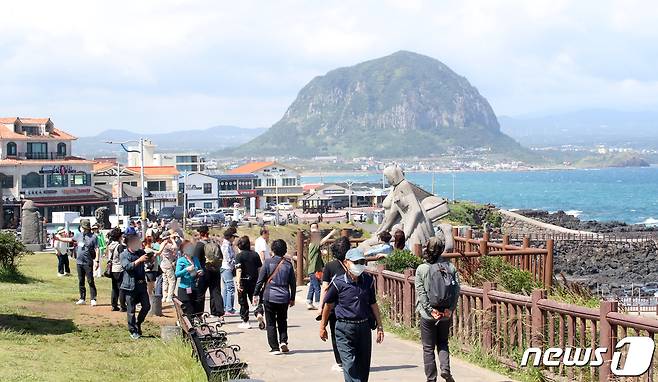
[[170, 213]]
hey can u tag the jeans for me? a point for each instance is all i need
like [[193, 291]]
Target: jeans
[[354, 343], [118, 295], [210, 281], [139, 295], [435, 337], [63, 264], [188, 301], [313, 289], [276, 317], [168, 283], [228, 294], [86, 271]]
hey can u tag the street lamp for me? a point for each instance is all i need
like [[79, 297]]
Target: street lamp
[[349, 196], [141, 171]]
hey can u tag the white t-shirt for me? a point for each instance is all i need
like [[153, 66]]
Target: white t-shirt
[[261, 246]]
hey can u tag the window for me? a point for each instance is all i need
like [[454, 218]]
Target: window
[[187, 167], [80, 179], [271, 182], [258, 183], [245, 185], [187, 159], [228, 185], [6, 181], [32, 180], [61, 149], [207, 205], [160, 185], [31, 130], [191, 205], [11, 149], [289, 181], [58, 180], [134, 184], [207, 189], [37, 150]]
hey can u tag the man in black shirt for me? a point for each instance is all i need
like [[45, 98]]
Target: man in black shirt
[[133, 283], [247, 266], [210, 280]]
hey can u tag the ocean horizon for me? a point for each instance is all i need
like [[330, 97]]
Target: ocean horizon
[[621, 194]]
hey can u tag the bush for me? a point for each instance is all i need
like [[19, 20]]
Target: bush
[[11, 252], [508, 277], [399, 260]]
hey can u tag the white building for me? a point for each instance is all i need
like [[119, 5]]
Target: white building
[[36, 163], [202, 190], [183, 161], [275, 182]]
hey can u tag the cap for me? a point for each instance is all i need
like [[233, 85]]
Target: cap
[[354, 254], [130, 231], [230, 232], [85, 224], [60, 229]]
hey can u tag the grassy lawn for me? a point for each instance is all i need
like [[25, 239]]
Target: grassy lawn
[[45, 337]]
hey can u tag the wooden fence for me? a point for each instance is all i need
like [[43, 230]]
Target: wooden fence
[[505, 325]]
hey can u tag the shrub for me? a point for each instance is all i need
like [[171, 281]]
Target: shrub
[[508, 277], [399, 260], [11, 251]]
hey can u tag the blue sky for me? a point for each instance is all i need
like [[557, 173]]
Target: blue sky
[[166, 65]]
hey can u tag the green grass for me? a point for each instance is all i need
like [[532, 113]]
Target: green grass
[[43, 337]]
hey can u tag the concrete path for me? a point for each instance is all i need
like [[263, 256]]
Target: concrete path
[[310, 359]]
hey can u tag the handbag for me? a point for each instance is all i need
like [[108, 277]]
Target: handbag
[[108, 270]]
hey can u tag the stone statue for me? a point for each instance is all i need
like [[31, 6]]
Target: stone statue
[[30, 224], [413, 210], [103, 218]]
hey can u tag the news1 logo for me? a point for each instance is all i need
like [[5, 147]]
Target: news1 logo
[[638, 356]]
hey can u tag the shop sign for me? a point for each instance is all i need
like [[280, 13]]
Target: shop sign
[[58, 169], [228, 193], [247, 192], [69, 191]]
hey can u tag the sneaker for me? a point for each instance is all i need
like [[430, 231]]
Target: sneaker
[[309, 306], [231, 313], [244, 325], [261, 322], [338, 368], [316, 306], [80, 302], [93, 303], [284, 347], [67, 274], [275, 352], [115, 308], [123, 310], [447, 376], [60, 275], [134, 336]]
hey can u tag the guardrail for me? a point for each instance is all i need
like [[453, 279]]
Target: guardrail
[[503, 324]]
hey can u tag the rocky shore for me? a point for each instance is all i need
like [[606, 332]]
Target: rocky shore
[[562, 219]]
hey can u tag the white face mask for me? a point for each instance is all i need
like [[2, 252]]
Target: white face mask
[[357, 269]]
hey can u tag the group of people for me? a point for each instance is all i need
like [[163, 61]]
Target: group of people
[[263, 280]]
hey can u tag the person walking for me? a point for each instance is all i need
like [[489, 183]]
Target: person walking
[[276, 288], [189, 272], [228, 270], [115, 248], [102, 250], [356, 309], [168, 256], [261, 246], [62, 252], [247, 267], [133, 284], [331, 270], [86, 251], [210, 257], [437, 293], [314, 266]]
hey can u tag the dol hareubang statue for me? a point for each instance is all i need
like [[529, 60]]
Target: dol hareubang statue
[[30, 224]]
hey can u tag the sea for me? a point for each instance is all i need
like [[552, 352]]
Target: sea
[[620, 194]]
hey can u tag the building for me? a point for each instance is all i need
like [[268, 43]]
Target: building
[[182, 161], [201, 190], [322, 198], [36, 163], [274, 182], [215, 191]]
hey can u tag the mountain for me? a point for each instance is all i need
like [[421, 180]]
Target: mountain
[[206, 140], [400, 105], [585, 127]]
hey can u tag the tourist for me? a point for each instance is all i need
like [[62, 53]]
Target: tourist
[[175, 227], [436, 321], [399, 240], [133, 283], [314, 266], [86, 252], [115, 248], [247, 267], [102, 250], [210, 259], [261, 246], [353, 297], [228, 270], [150, 267], [62, 252], [189, 273], [276, 288], [168, 256], [333, 269], [382, 249]]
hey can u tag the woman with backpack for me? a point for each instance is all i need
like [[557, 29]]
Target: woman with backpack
[[276, 287], [437, 293]]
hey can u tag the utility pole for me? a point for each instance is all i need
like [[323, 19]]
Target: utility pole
[[349, 207], [118, 190]]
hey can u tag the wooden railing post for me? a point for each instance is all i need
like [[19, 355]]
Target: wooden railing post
[[489, 309], [538, 322], [607, 338], [407, 290], [469, 236], [300, 257], [548, 264], [379, 268]]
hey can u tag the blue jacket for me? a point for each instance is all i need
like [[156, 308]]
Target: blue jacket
[[282, 288], [131, 272], [186, 279]]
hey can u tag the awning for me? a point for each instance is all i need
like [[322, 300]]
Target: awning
[[64, 201]]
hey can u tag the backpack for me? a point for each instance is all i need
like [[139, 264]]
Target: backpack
[[442, 288], [213, 255]]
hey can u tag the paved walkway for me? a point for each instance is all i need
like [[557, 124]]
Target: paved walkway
[[310, 359]]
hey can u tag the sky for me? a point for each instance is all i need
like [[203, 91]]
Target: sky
[[168, 65]]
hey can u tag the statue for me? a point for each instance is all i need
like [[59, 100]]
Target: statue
[[413, 210], [103, 218], [30, 224]]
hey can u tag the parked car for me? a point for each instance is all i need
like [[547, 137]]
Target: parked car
[[270, 217], [285, 206], [337, 204], [211, 218], [169, 213]]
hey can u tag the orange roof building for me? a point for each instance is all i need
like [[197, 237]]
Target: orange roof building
[[251, 167]]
